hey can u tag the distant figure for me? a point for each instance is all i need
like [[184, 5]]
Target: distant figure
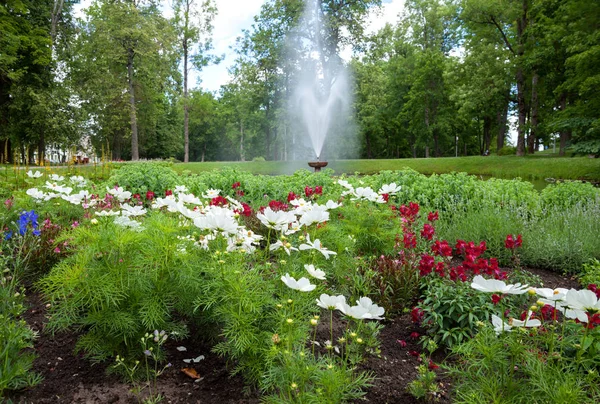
[[487, 152]]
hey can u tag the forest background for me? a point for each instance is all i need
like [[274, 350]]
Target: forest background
[[446, 79]]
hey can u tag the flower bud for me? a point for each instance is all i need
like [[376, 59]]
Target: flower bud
[[531, 292], [289, 321], [533, 308]]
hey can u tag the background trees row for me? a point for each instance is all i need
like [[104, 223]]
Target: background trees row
[[447, 79]]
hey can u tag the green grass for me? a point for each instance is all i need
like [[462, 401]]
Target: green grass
[[528, 168]]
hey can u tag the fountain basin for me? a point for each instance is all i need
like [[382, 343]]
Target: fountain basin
[[317, 165]]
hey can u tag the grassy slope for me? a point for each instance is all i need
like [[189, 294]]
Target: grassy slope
[[530, 168]]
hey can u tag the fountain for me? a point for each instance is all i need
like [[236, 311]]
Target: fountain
[[322, 95]]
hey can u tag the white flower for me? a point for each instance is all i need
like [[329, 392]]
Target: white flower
[[219, 220], [189, 198], [553, 295], [302, 284], [331, 302], [576, 314], [318, 214], [78, 180], [132, 210], [58, 188], [180, 189], [36, 194], [316, 245], [300, 206], [211, 193], [332, 205], [499, 325], [314, 272], [346, 184], [366, 309], [280, 244], [364, 193], [125, 221], [527, 323], [278, 220], [390, 189], [35, 174], [56, 177], [119, 193], [584, 300], [496, 286], [292, 228], [104, 213]]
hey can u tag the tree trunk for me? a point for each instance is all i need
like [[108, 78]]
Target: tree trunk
[[426, 152], [487, 134], [242, 158], [203, 152], [369, 151], [41, 148], [565, 134], [267, 131], [522, 105], [502, 118], [436, 144], [135, 154], [534, 114], [186, 117]]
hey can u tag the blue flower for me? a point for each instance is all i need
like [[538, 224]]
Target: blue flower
[[8, 235]]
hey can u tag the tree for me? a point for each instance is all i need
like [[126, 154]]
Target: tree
[[194, 21]]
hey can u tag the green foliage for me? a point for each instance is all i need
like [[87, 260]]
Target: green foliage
[[515, 367], [453, 310], [120, 283], [590, 147], [590, 274], [142, 177], [568, 194], [16, 337], [507, 151]]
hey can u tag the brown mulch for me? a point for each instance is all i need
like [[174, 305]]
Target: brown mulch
[[70, 378]]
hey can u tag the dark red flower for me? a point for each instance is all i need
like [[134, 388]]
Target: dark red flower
[[433, 216], [319, 190], [439, 269], [432, 365], [168, 192], [136, 196], [239, 192], [414, 335], [276, 205], [594, 288], [426, 264], [511, 242], [150, 195], [218, 201], [291, 196], [386, 197], [441, 248], [402, 343], [417, 315], [496, 298], [413, 353], [308, 191], [428, 231], [410, 240], [236, 185]]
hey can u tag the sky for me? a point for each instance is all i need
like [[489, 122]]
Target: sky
[[232, 17]]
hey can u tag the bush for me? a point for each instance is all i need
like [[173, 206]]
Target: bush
[[138, 178], [507, 151]]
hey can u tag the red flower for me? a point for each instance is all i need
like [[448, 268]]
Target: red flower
[[413, 353], [168, 192], [291, 196], [441, 248], [319, 190], [432, 365], [433, 216], [136, 196], [386, 197], [417, 315], [150, 195], [409, 212], [428, 231], [458, 273], [414, 335], [594, 288], [239, 192], [593, 320], [218, 201], [276, 205], [410, 241], [236, 185], [511, 242], [439, 269], [402, 343], [308, 191], [426, 264], [496, 298]]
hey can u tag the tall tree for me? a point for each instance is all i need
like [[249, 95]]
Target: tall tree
[[194, 19]]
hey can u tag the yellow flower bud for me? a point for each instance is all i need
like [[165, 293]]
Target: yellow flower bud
[[289, 321]]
